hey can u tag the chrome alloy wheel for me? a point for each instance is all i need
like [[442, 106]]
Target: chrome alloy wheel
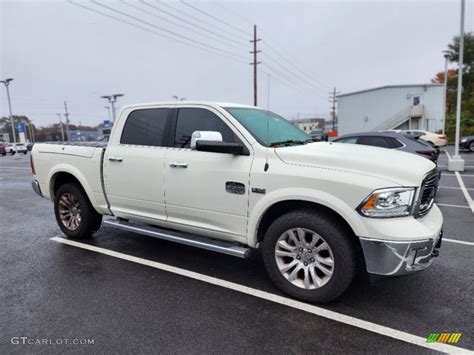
[[69, 211], [304, 258]]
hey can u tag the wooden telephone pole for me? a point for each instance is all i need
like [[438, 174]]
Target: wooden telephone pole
[[255, 63]]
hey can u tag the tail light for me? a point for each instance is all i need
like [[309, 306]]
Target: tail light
[[430, 153], [441, 136], [32, 165]]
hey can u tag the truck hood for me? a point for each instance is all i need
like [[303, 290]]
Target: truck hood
[[401, 168]]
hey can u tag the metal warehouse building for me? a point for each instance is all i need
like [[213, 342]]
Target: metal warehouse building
[[392, 107]]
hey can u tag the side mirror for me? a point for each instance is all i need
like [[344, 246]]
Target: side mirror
[[210, 136], [221, 147]]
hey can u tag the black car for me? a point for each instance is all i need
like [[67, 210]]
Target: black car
[[392, 140], [467, 143]]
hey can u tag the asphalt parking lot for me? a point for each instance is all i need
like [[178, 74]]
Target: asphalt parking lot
[[135, 294]]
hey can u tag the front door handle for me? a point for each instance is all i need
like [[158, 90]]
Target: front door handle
[[117, 159], [178, 165]]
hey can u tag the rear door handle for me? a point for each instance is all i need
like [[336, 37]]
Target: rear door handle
[[117, 159], [178, 165]]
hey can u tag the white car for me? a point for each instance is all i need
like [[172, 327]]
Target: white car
[[233, 178], [13, 148], [436, 139]]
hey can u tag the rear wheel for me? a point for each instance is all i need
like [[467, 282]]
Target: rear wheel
[[471, 146], [74, 213], [309, 256]]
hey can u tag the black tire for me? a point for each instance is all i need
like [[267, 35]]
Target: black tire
[[341, 242], [471, 146], [12, 152], [90, 220], [25, 152], [4, 154]]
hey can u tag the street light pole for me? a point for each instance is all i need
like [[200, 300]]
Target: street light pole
[[108, 110], [457, 163], [112, 100], [446, 56], [61, 125], [6, 82]]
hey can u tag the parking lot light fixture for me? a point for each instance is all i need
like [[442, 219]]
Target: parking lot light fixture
[[6, 82], [112, 100]]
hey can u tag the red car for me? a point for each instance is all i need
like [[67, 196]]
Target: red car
[[2, 149]]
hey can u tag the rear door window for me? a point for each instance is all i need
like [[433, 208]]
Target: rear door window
[[350, 140], [375, 141], [145, 127]]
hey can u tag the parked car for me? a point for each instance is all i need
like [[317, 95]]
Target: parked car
[[392, 140], [232, 178], [437, 140], [13, 148], [318, 135], [467, 143], [3, 151]]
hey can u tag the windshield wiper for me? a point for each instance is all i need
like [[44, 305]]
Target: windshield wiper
[[290, 141]]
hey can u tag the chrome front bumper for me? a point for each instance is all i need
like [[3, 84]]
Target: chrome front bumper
[[36, 187], [392, 258]]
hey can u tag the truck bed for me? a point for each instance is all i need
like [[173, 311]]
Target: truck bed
[[82, 159]]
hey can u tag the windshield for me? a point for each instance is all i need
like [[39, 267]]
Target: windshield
[[268, 128]]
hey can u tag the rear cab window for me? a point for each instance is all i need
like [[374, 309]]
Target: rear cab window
[[146, 127]]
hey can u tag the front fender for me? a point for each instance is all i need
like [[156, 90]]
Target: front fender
[[307, 195]]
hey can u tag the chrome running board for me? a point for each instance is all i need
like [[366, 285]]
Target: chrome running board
[[182, 238]]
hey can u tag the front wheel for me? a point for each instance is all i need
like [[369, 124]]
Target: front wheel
[[309, 256], [74, 213]]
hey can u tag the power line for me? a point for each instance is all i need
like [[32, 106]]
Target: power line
[[185, 21], [275, 51], [243, 39], [163, 29], [302, 78], [215, 18], [213, 50]]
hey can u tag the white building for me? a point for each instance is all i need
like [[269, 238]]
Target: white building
[[392, 107], [309, 124]]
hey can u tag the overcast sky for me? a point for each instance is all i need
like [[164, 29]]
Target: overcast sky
[[57, 51]]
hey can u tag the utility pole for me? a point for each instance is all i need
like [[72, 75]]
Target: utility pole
[[457, 163], [255, 63], [112, 100], [66, 114], [6, 82], [61, 126], [333, 100], [446, 57]]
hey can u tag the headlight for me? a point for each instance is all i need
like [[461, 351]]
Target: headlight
[[391, 202], [464, 140]]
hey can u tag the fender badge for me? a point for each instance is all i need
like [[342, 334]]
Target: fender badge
[[257, 190]]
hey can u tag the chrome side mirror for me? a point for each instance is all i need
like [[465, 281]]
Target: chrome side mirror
[[205, 136]]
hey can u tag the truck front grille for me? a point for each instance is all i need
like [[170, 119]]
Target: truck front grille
[[428, 190]]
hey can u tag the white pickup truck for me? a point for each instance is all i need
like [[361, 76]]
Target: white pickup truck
[[232, 178]]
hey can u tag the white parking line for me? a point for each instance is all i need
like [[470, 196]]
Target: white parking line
[[465, 192], [448, 205], [321, 312], [454, 188], [14, 167], [458, 241], [452, 174]]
